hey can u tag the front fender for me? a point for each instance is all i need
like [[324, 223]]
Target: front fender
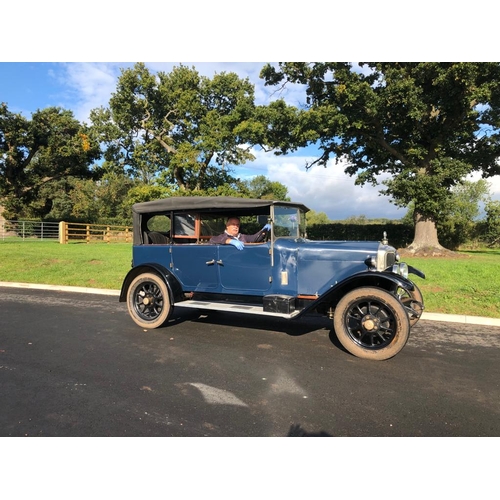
[[173, 285], [416, 271], [385, 280]]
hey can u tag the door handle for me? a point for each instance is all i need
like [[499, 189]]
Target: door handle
[[220, 262], [210, 262]]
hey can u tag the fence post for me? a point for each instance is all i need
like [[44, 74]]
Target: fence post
[[62, 233], [87, 237]]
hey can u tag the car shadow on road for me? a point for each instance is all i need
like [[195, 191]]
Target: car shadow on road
[[302, 326], [307, 324], [296, 430]]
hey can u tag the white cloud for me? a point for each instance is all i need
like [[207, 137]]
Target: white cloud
[[494, 183], [327, 190], [495, 187], [89, 85], [332, 191]]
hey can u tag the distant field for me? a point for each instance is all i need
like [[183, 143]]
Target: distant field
[[468, 285]]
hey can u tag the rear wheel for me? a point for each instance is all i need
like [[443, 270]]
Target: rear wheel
[[371, 323], [148, 301]]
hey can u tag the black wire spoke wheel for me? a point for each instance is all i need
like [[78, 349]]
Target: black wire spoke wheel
[[371, 323], [148, 301]]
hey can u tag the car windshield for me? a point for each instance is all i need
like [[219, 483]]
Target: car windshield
[[289, 222]]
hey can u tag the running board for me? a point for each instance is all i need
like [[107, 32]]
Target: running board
[[231, 307]]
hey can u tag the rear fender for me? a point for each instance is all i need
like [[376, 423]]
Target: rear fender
[[173, 285]]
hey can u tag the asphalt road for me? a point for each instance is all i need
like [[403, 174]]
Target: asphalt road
[[73, 364]]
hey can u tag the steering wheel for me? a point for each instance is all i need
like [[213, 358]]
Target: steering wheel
[[262, 237]]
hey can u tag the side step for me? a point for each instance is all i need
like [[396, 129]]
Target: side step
[[231, 307]]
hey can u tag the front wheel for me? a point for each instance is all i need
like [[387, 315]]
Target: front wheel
[[413, 301], [371, 323], [148, 301]]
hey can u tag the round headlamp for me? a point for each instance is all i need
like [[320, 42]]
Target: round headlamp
[[401, 269]]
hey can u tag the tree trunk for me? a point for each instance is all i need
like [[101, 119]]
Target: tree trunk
[[425, 241], [179, 178]]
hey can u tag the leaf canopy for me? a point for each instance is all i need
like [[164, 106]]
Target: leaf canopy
[[183, 125], [427, 125]]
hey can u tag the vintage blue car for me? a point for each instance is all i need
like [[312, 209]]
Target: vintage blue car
[[361, 285]]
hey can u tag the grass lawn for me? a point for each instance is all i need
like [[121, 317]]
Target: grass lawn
[[96, 265], [468, 284]]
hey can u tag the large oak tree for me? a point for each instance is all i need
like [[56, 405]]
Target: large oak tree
[[427, 125], [188, 127], [48, 148]]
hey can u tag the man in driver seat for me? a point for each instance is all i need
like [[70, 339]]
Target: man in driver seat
[[232, 235]]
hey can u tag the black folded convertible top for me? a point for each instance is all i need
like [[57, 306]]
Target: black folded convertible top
[[208, 204], [216, 205]]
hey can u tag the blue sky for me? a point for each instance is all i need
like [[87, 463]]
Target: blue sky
[[82, 86]]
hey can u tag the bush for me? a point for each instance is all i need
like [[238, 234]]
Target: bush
[[399, 235], [453, 237]]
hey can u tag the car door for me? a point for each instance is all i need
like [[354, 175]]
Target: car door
[[195, 266], [244, 271]]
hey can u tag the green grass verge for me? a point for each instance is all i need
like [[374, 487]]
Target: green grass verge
[[96, 265], [468, 285]]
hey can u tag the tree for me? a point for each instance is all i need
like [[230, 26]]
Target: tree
[[492, 209], [357, 219], [261, 187], [185, 126], [104, 201], [458, 222], [462, 212], [428, 125], [146, 192], [53, 201], [314, 218], [33, 153]]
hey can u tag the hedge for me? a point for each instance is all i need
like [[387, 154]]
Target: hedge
[[399, 235]]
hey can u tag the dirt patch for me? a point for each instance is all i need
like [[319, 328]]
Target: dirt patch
[[432, 253]]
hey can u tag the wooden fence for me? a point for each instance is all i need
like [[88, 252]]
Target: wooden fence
[[93, 233]]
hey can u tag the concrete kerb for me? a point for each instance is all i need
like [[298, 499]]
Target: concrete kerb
[[452, 318], [59, 288]]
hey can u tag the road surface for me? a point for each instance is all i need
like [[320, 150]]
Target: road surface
[[73, 364]]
